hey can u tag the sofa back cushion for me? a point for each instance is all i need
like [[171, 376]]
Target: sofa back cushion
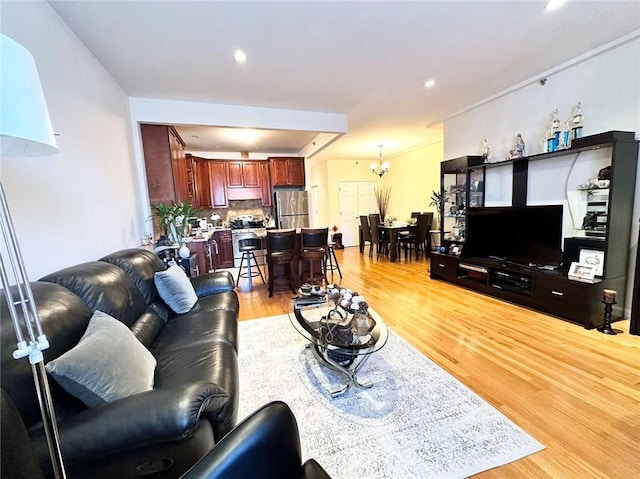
[[64, 319], [139, 265], [103, 287]]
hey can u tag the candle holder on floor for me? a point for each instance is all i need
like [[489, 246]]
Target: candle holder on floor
[[606, 325]]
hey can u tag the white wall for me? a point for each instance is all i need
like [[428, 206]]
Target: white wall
[[81, 203], [607, 82]]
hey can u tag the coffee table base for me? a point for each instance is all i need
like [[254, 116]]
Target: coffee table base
[[349, 372]]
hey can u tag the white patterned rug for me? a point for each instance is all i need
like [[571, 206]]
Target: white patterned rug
[[417, 421]]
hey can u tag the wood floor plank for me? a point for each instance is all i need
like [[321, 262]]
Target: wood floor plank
[[575, 391]]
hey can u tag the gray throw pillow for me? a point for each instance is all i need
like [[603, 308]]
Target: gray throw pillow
[[175, 289], [108, 363]]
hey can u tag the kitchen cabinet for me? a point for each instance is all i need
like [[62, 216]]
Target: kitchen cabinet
[[244, 180], [287, 171], [243, 174], [267, 199], [202, 189], [166, 165], [224, 258], [217, 183]]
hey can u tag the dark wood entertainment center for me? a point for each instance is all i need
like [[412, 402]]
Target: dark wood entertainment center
[[548, 291]]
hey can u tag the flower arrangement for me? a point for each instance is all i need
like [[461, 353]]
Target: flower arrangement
[[335, 228]]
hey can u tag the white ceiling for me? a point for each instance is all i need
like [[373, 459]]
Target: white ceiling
[[367, 60]]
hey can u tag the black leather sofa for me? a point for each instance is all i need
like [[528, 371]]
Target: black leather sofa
[[266, 445], [193, 403]]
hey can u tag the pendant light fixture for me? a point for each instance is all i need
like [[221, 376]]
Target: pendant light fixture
[[382, 167]]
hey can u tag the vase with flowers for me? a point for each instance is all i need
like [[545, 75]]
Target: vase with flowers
[[382, 200], [174, 219]]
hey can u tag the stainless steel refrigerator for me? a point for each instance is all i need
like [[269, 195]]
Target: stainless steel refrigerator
[[292, 209]]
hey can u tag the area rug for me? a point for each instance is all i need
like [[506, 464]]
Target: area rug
[[417, 421]]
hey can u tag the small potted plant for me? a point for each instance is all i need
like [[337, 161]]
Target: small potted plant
[[438, 200]]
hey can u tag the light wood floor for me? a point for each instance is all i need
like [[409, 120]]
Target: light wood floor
[[575, 391]]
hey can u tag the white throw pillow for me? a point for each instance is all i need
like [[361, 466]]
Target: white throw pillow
[[176, 289], [108, 363]]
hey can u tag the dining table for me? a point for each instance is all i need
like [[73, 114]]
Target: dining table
[[393, 230]]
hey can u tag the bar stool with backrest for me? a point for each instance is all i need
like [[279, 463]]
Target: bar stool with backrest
[[313, 250], [280, 254], [247, 246]]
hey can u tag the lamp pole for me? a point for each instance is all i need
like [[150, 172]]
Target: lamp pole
[[25, 130]]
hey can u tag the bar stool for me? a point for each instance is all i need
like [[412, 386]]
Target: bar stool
[[247, 247], [331, 262], [280, 252], [313, 250]]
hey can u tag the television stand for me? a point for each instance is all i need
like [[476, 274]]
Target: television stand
[[548, 291]]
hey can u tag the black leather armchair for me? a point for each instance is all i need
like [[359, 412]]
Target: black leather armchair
[[266, 445]]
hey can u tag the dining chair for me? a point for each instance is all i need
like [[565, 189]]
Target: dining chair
[[366, 234], [381, 241], [417, 240]]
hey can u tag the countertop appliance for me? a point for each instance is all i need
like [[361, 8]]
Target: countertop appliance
[[246, 226], [292, 209]]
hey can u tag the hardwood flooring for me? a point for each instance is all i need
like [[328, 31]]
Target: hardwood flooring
[[575, 391]]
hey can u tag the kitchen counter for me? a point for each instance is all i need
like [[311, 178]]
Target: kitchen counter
[[205, 235]]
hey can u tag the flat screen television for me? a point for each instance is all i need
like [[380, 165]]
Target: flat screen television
[[528, 235]]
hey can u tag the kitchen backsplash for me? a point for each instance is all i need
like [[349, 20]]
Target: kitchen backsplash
[[239, 208]]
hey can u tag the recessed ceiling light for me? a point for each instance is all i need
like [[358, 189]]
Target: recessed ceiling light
[[429, 83], [554, 4], [239, 56]]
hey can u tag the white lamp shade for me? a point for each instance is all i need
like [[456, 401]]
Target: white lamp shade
[[25, 127]]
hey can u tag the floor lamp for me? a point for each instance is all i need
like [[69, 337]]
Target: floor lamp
[[25, 130]]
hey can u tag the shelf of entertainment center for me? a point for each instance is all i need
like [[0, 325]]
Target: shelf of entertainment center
[[586, 143]]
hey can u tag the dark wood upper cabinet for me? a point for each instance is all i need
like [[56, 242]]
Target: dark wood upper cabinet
[[243, 174], [202, 188], [287, 171], [266, 184], [218, 183], [166, 164]]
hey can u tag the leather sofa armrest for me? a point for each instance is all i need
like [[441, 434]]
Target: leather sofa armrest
[[155, 416], [212, 283], [266, 444]]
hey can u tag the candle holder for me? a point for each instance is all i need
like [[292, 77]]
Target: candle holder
[[606, 325]]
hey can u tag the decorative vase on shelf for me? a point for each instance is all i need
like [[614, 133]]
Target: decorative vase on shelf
[[184, 251]]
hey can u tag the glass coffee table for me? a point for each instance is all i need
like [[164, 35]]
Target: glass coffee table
[[348, 360]]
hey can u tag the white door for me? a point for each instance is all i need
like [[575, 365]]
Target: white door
[[355, 198], [366, 198]]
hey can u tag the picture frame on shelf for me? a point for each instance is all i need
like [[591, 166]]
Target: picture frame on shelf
[[592, 257], [582, 272]]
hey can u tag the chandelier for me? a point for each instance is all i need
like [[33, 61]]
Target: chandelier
[[381, 168]]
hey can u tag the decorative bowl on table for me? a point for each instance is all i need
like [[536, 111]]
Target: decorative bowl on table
[[349, 322]]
